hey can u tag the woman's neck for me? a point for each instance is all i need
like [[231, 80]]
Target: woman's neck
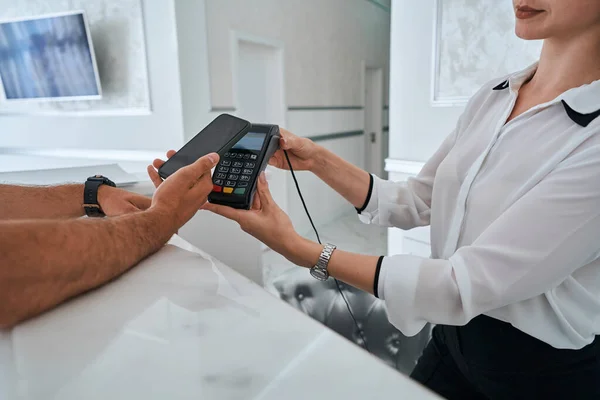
[[567, 63]]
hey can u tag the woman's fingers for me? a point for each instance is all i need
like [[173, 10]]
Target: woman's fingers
[[224, 211], [256, 205], [171, 153], [263, 191], [287, 139], [278, 160]]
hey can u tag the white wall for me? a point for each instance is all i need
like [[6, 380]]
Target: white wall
[[325, 43], [125, 127], [416, 127], [187, 46], [441, 53], [326, 47]]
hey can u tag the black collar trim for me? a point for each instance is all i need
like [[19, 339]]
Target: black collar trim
[[579, 118], [501, 86]]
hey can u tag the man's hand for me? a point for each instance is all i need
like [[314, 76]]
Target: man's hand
[[114, 201], [182, 194], [153, 172]]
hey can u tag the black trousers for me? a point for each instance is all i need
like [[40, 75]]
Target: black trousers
[[490, 359]]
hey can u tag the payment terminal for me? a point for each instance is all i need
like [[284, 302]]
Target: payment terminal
[[236, 175]]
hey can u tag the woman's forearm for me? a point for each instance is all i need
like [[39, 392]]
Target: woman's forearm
[[348, 180], [357, 270]]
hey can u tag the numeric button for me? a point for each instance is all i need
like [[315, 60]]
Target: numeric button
[[247, 171], [236, 171], [221, 176], [238, 164], [233, 177], [223, 169], [249, 165], [245, 178]]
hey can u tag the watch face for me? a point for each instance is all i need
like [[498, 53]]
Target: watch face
[[319, 274]]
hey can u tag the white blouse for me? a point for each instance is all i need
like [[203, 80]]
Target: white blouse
[[514, 210]]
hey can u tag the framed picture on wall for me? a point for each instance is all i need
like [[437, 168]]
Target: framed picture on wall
[[474, 41]]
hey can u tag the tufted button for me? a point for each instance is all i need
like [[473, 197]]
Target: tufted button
[[393, 343], [359, 339], [300, 296]]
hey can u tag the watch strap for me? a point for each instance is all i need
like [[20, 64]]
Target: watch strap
[[90, 195]]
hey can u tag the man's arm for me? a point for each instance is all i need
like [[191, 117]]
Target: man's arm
[[21, 202], [43, 263], [64, 201]]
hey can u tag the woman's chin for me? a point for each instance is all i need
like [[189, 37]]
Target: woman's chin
[[530, 32]]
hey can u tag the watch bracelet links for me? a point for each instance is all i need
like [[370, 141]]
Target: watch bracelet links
[[325, 256]]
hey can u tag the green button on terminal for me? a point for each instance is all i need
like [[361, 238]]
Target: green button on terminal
[[239, 191]]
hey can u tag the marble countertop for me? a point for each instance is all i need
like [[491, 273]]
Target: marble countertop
[[181, 325]]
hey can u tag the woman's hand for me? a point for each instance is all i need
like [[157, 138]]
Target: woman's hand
[[266, 222], [303, 152]]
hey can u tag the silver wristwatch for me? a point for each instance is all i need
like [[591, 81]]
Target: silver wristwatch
[[319, 271]]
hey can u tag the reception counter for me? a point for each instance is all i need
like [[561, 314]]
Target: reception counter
[[181, 325]]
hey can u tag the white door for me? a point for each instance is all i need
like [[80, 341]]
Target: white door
[[374, 120], [259, 83], [259, 93]]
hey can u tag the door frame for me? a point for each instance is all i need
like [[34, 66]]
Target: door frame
[[373, 77], [238, 36]]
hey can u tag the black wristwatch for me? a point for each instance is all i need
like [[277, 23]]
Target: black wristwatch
[[90, 195]]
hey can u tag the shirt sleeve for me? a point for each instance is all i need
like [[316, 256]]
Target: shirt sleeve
[[404, 205], [534, 246]]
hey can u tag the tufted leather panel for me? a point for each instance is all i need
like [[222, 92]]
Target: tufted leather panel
[[323, 302]]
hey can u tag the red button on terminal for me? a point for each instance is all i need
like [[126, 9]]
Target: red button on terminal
[[217, 188]]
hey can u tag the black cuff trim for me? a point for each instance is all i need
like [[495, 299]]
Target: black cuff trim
[[359, 210], [376, 280]]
